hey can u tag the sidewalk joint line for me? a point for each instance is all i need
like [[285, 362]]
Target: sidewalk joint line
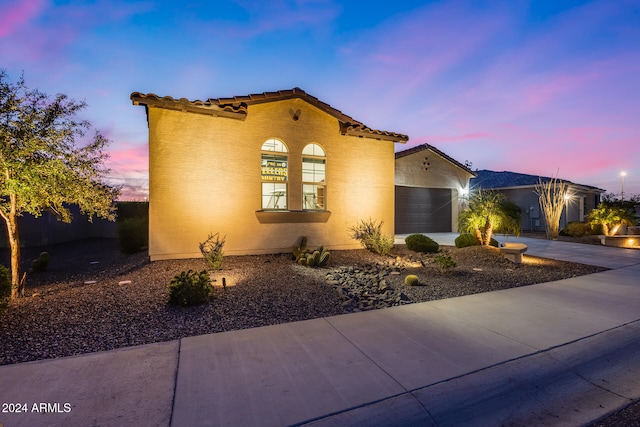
[[175, 383]]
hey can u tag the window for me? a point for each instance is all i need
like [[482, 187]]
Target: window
[[274, 174], [314, 187]]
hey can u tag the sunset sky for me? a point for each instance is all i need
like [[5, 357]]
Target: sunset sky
[[539, 87]]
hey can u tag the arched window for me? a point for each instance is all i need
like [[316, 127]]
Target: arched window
[[314, 186], [275, 171]]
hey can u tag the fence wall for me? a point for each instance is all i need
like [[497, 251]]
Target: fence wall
[[47, 230]]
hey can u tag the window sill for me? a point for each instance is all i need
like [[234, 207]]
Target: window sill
[[283, 217]]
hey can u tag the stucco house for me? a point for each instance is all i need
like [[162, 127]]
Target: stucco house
[[263, 170], [520, 188], [431, 188]]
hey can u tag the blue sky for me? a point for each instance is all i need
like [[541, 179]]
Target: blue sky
[[540, 87]]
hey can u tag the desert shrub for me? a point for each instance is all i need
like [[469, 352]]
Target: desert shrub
[[444, 261], [369, 233], [132, 224], [5, 286], [190, 288], [421, 243], [39, 265], [411, 280], [211, 250], [576, 229], [132, 210], [133, 234], [467, 239]]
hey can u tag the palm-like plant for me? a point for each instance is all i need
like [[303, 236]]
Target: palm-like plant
[[487, 212], [611, 218]]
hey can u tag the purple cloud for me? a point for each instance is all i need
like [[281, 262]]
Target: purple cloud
[[15, 15]]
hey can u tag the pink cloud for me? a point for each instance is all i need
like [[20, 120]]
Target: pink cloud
[[128, 158], [543, 93], [129, 169], [15, 15]]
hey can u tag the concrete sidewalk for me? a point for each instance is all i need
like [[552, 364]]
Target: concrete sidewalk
[[559, 353]]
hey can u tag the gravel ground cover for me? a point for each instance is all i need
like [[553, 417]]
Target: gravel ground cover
[[93, 298]]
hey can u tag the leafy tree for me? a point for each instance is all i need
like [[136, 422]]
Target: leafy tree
[[611, 217], [42, 165], [487, 212], [629, 202]]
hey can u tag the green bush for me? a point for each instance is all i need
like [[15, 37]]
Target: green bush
[[576, 229], [596, 229], [39, 265], [611, 217], [369, 233], [132, 225], [444, 261], [133, 234], [421, 243], [132, 210], [211, 250], [411, 280], [467, 239], [190, 288], [5, 286]]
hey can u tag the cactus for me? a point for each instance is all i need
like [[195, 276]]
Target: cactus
[[295, 252], [298, 251], [324, 258], [311, 260], [309, 257], [411, 280]]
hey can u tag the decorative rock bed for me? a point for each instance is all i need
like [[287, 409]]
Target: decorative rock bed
[[366, 288]]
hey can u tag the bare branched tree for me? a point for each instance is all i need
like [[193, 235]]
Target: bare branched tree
[[552, 200]]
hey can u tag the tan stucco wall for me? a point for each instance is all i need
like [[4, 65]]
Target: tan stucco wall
[[205, 176], [411, 171]]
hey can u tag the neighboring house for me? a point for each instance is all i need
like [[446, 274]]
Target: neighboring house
[[262, 170], [520, 188], [430, 190]]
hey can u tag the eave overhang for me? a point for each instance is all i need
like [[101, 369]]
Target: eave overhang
[[238, 112], [237, 107]]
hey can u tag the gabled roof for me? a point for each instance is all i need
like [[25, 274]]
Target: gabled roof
[[422, 147], [495, 180], [238, 107]]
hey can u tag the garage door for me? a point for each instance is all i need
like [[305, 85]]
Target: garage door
[[422, 210]]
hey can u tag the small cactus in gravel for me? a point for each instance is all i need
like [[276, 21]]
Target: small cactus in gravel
[[318, 257], [411, 280]]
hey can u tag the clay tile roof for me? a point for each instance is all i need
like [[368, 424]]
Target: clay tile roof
[[237, 107], [183, 104], [423, 147]]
